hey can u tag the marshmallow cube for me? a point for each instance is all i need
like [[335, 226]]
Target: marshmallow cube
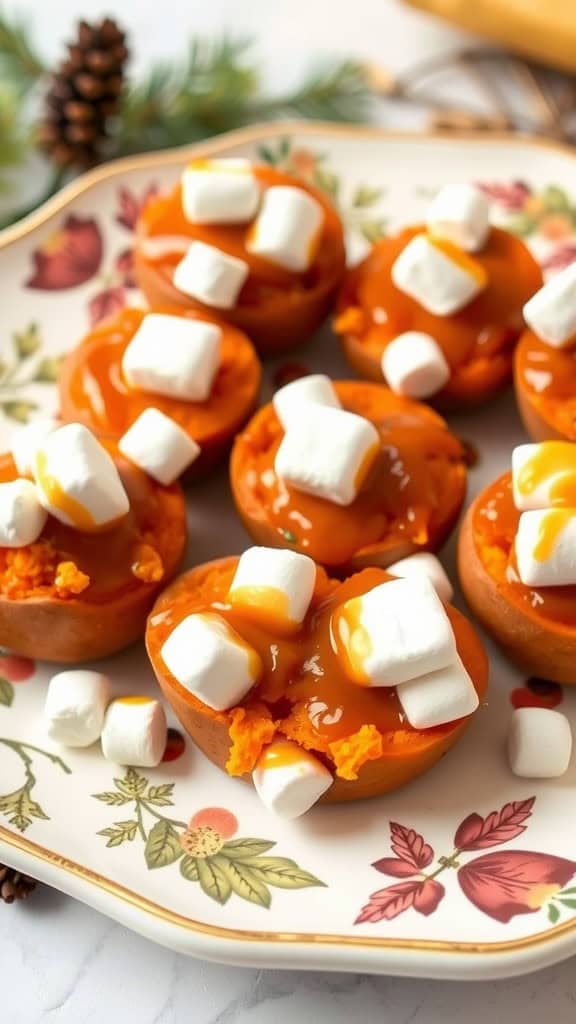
[[75, 707], [393, 633], [551, 312], [159, 446], [441, 278], [539, 743], [460, 214], [424, 564], [26, 441], [22, 517], [438, 697], [135, 732], [274, 586], [287, 228], [545, 547], [414, 365], [211, 660], [210, 275], [220, 191], [315, 387], [544, 475], [327, 452], [173, 356], [289, 780], [77, 481]]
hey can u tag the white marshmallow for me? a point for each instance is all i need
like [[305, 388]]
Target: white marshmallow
[[327, 452], [414, 365], [135, 732], [173, 356], [544, 563], [539, 743], [159, 446], [75, 706], [551, 312], [77, 480], [220, 191], [438, 697], [396, 631], [22, 517], [424, 564], [460, 213], [210, 275], [440, 284], [315, 387], [287, 228], [25, 441], [273, 585], [211, 660], [289, 780], [532, 488]]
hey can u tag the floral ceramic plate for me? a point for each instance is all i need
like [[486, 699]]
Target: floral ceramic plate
[[467, 873]]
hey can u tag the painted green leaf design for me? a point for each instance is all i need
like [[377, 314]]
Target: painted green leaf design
[[568, 903], [523, 224], [162, 846], [120, 832], [19, 410], [6, 693], [267, 154], [161, 796], [47, 370], [26, 342], [372, 230], [133, 784], [21, 809], [328, 182], [568, 892], [555, 199], [214, 882], [365, 196], [113, 799], [282, 873], [240, 849], [189, 868], [553, 914], [243, 881]]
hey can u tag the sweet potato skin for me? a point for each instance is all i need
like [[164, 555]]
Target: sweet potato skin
[[536, 425]]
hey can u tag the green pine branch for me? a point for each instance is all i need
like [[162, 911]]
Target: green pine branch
[[19, 62], [14, 138]]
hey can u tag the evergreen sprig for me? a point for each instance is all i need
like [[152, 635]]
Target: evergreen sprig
[[19, 62]]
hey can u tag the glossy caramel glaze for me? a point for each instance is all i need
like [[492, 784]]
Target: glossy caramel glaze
[[545, 378]]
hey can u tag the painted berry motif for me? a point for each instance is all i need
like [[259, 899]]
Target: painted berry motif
[[502, 884], [13, 670]]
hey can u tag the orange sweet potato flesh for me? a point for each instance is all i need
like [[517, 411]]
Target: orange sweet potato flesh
[[73, 597], [545, 386], [276, 308], [409, 502], [363, 740]]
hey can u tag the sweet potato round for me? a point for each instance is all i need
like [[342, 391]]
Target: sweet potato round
[[410, 752], [549, 412]]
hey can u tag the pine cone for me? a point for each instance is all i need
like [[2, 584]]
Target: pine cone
[[14, 885], [83, 95]]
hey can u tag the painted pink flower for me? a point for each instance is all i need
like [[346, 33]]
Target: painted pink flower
[[69, 257], [130, 205], [562, 257], [218, 818], [512, 196], [15, 668], [304, 162], [508, 883], [477, 833], [124, 267], [105, 303], [386, 904]]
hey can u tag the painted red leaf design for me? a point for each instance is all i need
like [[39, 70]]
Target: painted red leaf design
[[386, 904], [395, 867], [511, 882], [430, 894], [106, 303], [477, 833], [408, 845], [70, 256], [130, 205], [124, 266]]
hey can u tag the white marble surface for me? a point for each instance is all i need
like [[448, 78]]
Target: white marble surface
[[60, 962]]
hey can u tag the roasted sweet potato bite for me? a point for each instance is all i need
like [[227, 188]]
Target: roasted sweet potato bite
[[278, 671], [257, 247]]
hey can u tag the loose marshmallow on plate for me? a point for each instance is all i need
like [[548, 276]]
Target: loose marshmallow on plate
[[460, 213], [173, 356], [289, 780], [544, 475], [210, 275], [545, 547], [75, 706], [551, 312], [25, 441], [414, 365], [315, 387], [438, 697], [22, 517], [437, 275], [394, 632], [220, 191], [327, 452], [134, 732], [539, 743], [273, 585], [159, 446], [211, 660], [77, 480], [424, 564], [287, 228]]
